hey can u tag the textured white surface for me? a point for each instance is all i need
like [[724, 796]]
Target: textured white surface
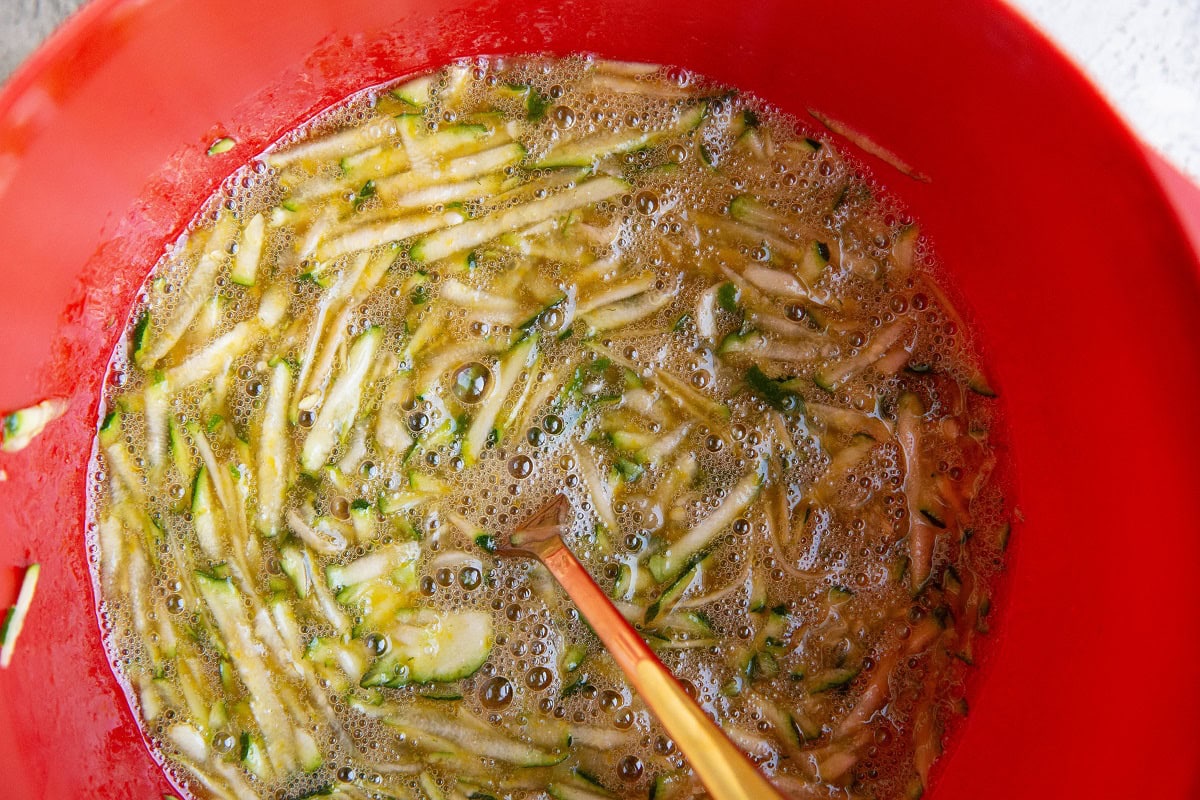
[[24, 23], [1144, 54]]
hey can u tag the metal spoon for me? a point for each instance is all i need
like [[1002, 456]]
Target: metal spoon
[[726, 772]]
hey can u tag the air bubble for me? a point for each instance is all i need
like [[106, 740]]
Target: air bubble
[[646, 202], [469, 578], [520, 466], [563, 116], [223, 743], [471, 381], [497, 693], [630, 768], [377, 644], [538, 678]]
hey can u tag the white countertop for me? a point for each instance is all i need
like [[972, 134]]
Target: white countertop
[[1144, 54]]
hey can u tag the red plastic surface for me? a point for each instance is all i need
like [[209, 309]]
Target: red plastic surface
[[1078, 272]]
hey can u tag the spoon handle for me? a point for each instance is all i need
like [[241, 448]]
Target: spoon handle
[[723, 768]]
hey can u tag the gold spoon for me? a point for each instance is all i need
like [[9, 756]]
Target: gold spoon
[[725, 771]]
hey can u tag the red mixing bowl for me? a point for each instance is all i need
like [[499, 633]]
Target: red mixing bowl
[[1075, 266]]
